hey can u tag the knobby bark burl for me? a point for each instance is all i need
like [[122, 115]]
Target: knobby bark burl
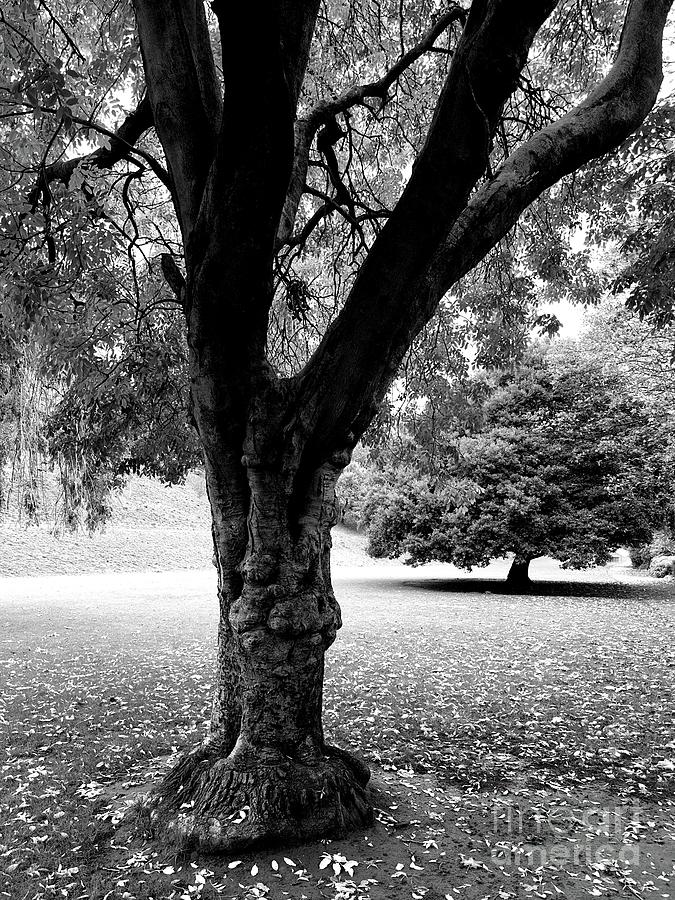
[[274, 448]]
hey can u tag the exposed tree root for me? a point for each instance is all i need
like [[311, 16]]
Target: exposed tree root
[[221, 804]]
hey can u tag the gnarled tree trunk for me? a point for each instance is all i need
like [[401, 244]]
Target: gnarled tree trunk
[[265, 773]]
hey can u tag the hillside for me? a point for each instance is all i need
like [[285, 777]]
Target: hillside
[[153, 528]]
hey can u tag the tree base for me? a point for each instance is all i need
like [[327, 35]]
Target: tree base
[[219, 805], [518, 577]]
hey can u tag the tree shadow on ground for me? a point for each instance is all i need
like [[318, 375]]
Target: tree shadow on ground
[[497, 587]]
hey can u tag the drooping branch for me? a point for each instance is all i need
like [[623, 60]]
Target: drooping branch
[[324, 113], [66, 34]]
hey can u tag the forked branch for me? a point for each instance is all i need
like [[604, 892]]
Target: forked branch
[[360, 353], [122, 145]]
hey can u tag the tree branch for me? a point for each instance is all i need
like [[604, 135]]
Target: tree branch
[[122, 145], [331, 205], [69, 40], [357, 361], [185, 95], [598, 125], [325, 111], [379, 88]]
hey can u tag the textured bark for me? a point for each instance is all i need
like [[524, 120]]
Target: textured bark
[[519, 572], [266, 754]]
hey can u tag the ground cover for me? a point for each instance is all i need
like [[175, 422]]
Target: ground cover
[[521, 746]]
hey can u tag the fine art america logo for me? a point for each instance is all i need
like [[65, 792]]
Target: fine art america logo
[[558, 835]]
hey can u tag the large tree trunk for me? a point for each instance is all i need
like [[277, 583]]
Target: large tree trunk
[[273, 448], [518, 576], [266, 774]]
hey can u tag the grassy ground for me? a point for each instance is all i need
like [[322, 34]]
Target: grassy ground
[[521, 746]]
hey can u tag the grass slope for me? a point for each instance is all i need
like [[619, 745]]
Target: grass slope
[[154, 528]]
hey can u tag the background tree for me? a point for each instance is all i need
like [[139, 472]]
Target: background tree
[[627, 206], [624, 344], [640, 352], [566, 464], [95, 389], [286, 132]]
